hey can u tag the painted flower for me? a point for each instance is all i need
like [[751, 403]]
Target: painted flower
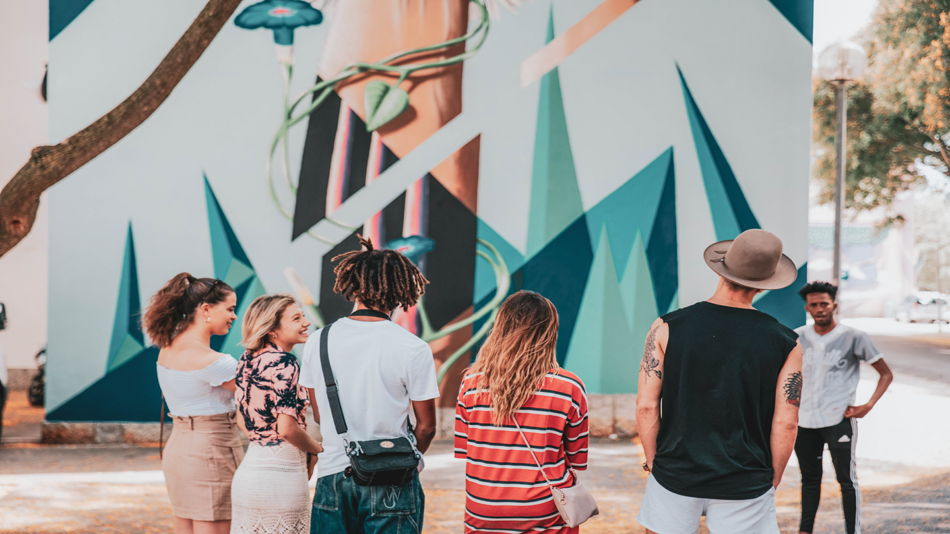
[[281, 16], [412, 247]]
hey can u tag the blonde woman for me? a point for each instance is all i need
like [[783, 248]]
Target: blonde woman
[[269, 491], [204, 449], [516, 378]]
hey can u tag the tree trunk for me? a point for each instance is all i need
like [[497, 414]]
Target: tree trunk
[[20, 198]]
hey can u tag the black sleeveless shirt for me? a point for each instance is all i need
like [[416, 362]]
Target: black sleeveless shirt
[[719, 378]]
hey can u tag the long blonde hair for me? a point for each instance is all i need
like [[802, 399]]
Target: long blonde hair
[[263, 317], [519, 352]]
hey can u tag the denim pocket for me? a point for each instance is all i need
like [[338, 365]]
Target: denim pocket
[[327, 495], [394, 500]]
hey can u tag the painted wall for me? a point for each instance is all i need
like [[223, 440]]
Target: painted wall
[[597, 167], [23, 125]]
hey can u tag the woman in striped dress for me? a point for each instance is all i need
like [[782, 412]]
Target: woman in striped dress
[[516, 375]]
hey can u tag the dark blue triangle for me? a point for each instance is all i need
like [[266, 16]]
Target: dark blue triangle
[[559, 271], [785, 304], [662, 248], [129, 393], [800, 13], [62, 13], [740, 207], [215, 211]]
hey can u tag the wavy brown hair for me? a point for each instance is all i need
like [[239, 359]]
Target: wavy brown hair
[[173, 308], [519, 352], [380, 279]]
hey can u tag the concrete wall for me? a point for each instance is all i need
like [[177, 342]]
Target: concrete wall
[[23, 126]]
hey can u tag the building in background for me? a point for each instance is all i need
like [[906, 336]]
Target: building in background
[[23, 126], [597, 171], [878, 262]]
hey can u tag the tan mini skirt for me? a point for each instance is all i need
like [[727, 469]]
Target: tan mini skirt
[[199, 462]]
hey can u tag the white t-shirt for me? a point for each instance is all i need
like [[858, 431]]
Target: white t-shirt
[[379, 367]]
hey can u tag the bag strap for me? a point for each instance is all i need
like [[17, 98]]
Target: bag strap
[[161, 428], [333, 392], [513, 418]]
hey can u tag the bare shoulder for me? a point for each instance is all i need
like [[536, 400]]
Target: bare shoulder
[[188, 358]]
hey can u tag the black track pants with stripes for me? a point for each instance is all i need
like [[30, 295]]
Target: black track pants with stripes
[[809, 447]]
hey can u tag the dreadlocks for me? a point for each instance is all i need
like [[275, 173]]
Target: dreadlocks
[[380, 279]]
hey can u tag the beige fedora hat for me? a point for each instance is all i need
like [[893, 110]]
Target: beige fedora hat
[[754, 259]]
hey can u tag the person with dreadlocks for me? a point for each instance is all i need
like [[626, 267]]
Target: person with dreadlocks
[[382, 372]]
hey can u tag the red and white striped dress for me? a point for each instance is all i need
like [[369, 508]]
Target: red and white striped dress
[[505, 492]]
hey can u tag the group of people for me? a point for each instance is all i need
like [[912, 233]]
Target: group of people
[[725, 395]]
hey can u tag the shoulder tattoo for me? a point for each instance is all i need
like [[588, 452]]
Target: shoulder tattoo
[[793, 389], [649, 363]]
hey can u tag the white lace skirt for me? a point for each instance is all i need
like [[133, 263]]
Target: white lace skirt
[[269, 492]]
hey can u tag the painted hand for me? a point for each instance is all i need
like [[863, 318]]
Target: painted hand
[[858, 411]]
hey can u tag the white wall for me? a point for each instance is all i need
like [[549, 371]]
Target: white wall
[[23, 125]]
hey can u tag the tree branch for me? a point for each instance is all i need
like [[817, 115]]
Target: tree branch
[[20, 198]]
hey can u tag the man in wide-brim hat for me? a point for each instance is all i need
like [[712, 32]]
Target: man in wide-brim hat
[[730, 379]]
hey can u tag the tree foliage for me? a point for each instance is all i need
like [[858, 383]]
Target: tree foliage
[[898, 113]]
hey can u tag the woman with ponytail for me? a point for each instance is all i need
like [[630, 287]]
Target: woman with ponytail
[[197, 382], [520, 423]]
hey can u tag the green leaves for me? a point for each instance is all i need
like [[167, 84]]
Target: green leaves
[[383, 103]]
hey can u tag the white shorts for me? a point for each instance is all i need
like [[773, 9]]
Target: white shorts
[[665, 512]]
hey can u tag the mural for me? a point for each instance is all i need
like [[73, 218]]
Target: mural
[[588, 150]]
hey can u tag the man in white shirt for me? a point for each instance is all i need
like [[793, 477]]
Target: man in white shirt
[[382, 371], [831, 368]]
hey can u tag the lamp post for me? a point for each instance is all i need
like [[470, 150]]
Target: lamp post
[[841, 63]]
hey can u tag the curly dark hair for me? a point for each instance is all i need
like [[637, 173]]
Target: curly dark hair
[[380, 279], [172, 309], [819, 287]]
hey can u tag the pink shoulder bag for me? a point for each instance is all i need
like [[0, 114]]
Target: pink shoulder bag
[[575, 504]]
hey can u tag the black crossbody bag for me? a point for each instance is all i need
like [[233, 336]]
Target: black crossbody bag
[[379, 462]]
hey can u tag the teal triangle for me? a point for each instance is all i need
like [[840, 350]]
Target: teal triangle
[[636, 289], [246, 295], [674, 303], [731, 212], [600, 349], [129, 349], [484, 275], [631, 209], [224, 243], [128, 303], [555, 196], [799, 13], [238, 273]]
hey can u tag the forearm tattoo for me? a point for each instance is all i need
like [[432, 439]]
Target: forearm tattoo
[[649, 363], [793, 389]]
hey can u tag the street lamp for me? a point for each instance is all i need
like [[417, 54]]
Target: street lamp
[[841, 63]]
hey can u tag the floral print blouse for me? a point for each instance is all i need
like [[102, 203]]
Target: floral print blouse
[[266, 385]]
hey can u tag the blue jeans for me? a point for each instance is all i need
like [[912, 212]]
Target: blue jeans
[[340, 506]]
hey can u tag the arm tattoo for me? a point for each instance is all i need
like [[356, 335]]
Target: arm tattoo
[[649, 363], [793, 389]]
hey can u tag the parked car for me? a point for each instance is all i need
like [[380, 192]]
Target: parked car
[[922, 307]]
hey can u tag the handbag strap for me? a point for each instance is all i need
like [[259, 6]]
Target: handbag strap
[[161, 428], [333, 392], [513, 418]]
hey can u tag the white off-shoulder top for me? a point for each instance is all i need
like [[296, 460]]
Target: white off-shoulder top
[[199, 392]]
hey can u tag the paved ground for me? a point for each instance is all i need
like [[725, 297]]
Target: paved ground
[[904, 469]]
